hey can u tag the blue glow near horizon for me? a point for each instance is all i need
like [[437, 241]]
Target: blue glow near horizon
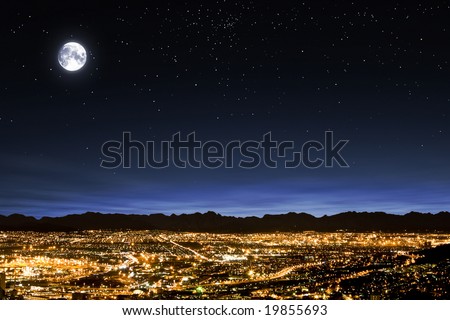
[[55, 188], [241, 200]]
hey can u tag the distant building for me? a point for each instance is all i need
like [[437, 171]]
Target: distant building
[[375, 297]]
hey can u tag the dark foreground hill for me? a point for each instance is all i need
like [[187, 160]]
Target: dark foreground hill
[[213, 222], [434, 255]]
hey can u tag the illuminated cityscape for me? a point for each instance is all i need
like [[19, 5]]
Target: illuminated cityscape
[[104, 264]]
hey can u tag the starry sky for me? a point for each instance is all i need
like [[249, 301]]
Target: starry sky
[[374, 73]]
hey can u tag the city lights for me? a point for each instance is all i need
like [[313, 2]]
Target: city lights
[[169, 265]]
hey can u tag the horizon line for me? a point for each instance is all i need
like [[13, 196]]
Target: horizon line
[[38, 217]]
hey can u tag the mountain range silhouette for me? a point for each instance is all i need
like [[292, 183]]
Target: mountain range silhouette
[[214, 222]]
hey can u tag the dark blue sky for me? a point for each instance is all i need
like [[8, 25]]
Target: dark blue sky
[[375, 74]]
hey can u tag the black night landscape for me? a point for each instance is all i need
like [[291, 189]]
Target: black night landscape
[[225, 150]]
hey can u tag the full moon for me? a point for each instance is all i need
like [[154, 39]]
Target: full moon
[[72, 56]]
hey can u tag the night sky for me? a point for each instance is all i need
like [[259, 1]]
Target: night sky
[[375, 74]]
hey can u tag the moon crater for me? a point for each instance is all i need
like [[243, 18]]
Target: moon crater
[[72, 56]]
